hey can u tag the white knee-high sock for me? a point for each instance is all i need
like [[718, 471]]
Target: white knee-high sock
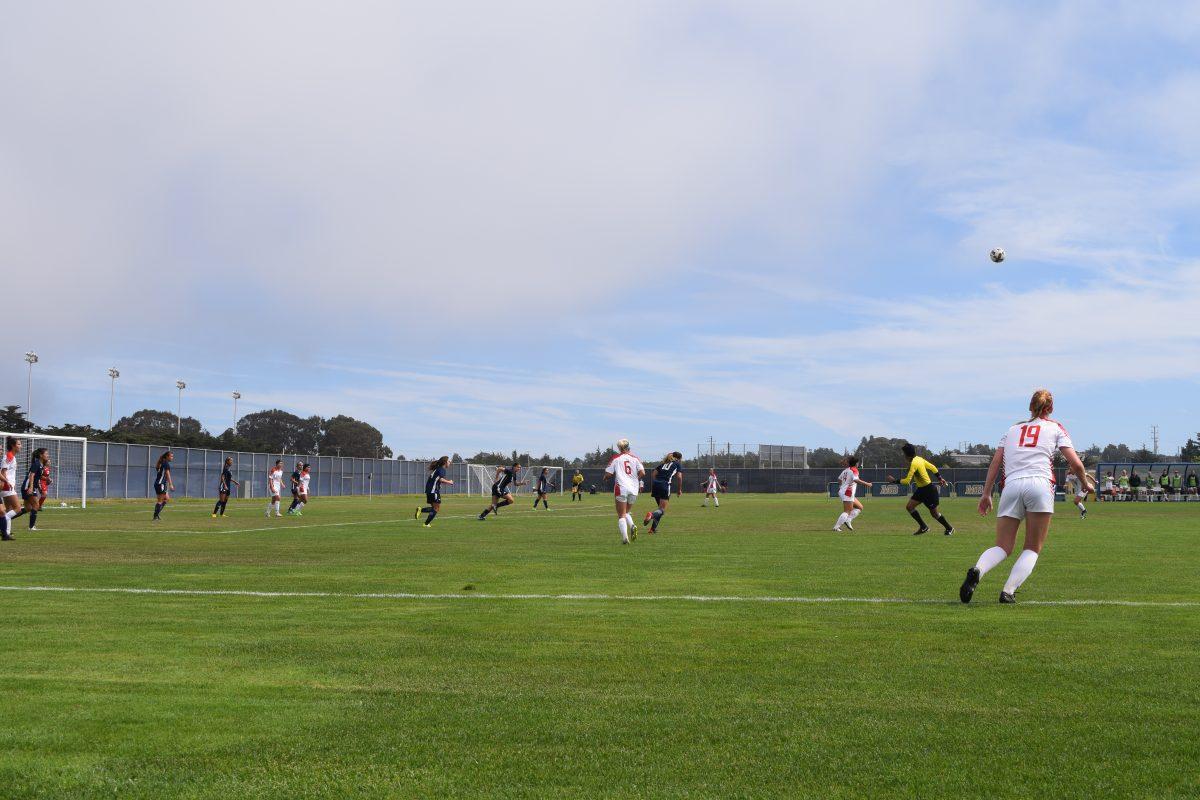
[[629, 520], [623, 527], [842, 519], [716, 502], [1079, 505], [854, 513], [1020, 570], [990, 558]]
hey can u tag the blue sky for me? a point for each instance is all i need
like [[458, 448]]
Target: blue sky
[[548, 225]]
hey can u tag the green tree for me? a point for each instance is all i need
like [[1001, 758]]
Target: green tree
[[160, 423], [824, 457], [277, 431], [70, 429], [351, 437], [1191, 450], [12, 419]]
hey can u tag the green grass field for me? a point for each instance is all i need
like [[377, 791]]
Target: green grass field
[[628, 691]]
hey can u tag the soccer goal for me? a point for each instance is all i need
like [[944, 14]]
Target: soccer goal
[[68, 457], [480, 478]]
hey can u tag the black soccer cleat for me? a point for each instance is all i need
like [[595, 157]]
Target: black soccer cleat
[[967, 590], [1007, 598], [481, 517], [923, 530], [6, 537], [949, 531], [849, 527]]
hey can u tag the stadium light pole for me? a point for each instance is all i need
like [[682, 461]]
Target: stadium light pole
[[180, 385], [113, 374], [31, 358], [236, 396]]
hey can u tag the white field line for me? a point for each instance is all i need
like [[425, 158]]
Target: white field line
[[284, 526], [651, 598]]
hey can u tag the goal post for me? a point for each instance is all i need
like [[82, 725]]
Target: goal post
[[480, 478], [68, 465]]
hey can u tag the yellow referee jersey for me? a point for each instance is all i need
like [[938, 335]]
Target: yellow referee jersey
[[919, 471]]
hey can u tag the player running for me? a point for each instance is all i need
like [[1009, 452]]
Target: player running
[[305, 478], [1027, 452], [1078, 491], [163, 485], [848, 483], [274, 487], [10, 501], [294, 508], [919, 470], [627, 472], [665, 474], [711, 487], [544, 487], [501, 493], [433, 490], [36, 486], [577, 486], [225, 486]]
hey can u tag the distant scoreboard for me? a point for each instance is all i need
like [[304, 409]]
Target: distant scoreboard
[[782, 456]]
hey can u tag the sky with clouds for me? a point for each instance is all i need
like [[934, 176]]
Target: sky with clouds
[[545, 225]]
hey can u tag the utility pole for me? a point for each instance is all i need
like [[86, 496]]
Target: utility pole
[[31, 358], [113, 374], [236, 396], [1154, 437], [180, 385]]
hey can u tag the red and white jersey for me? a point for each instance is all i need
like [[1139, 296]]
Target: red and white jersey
[[304, 478], [846, 482], [625, 468], [711, 486], [274, 481], [8, 468], [1029, 448]]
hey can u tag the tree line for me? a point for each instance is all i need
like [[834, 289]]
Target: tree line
[[277, 431]]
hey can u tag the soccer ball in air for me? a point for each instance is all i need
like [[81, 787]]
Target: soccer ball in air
[[997, 254]]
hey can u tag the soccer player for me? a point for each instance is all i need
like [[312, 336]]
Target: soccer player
[[1027, 451], [1193, 483], [848, 483], [577, 486], [163, 485], [33, 488], [544, 487], [627, 472], [1110, 489], [294, 508], [1079, 491], [10, 502], [1123, 484], [225, 485], [926, 493], [433, 490], [305, 477], [711, 487], [501, 493], [1176, 485], [274, 487], [665, 474]]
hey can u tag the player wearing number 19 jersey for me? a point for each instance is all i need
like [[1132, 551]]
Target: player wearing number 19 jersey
[[1027, 452], [627, 472]]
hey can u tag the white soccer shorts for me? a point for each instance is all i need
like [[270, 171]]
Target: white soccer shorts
[[1024, 495], [629, 498]]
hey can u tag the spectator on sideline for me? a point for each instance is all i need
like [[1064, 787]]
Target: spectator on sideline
[[1123, 484], [1193, 482], [1176, 484], [1135, 485]]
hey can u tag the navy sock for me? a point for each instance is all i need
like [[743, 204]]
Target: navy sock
[[32, 518], [157, 509], [945, 524], [432, 514]]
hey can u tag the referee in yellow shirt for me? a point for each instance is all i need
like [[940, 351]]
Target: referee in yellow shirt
[[577, 486], [925, 493]]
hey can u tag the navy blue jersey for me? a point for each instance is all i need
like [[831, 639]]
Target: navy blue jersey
[[666, 473], [543, 484], [226, 480], [506, 477], [295, 481], [162, 475], [434, 484], [33, 479]]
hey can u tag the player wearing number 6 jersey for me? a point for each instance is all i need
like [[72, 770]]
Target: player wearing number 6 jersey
[[848, 483], [1027, 452], [627, 472]]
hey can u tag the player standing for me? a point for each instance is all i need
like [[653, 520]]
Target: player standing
[[848, 483], [163, 485], [225, 486], [433, 490], [627, 472], [711, 487], [501, 494], [919, 470], [274, 487], [10, 502], [294, 508], [665, 474], [1079, 491], [1027, 452], [577, 486], [544, 487], [305, 477]]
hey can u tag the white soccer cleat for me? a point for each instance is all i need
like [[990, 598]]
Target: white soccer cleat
[[837, 528]]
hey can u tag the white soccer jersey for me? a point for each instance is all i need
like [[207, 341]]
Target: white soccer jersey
[[304, 483], [847, 483], [1073, 485], [275, 480], [8, 466], [624, 468], [1029, 448], [712, 485]]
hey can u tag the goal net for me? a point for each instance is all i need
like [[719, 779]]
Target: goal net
[[480, 478], [68, 455]]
